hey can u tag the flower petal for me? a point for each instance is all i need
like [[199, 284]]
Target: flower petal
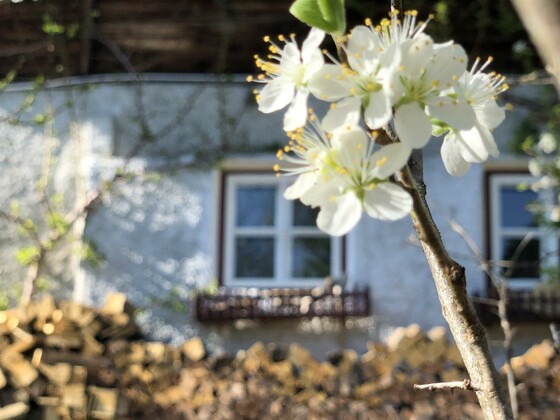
[[361, 50], [329, 83], [416, 53], [477, 144], [490, 115], [319, 194], [457, 115], [388, 160], [449, 62], [340, 214], [387, 201], [311, 44], [413, 125], [453, 161], [343, 113], [296, 115], [301, 185], [290, 57], [275, 95], [378, 111]]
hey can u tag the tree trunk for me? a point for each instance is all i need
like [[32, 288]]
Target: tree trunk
[[541, 20], [450, 281]]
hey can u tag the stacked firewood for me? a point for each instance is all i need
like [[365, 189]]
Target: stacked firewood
[[62, 360]]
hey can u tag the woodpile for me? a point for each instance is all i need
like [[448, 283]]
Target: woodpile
[[62, 360]]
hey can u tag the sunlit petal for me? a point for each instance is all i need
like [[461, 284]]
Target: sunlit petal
[[296, 115], [413, 125], [340, 215], [387, 201], [301, 185], [343, 113], [378, 111], [453, 161], [275, 95]]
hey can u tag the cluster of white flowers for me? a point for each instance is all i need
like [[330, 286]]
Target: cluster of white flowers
[[389, 74], [545, 165]]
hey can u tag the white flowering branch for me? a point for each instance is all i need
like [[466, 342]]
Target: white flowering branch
[[390, 90]]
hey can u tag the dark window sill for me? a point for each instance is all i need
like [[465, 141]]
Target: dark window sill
[[232, 304], [523, 306]]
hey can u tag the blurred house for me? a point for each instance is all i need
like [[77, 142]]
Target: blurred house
[[198, 235]]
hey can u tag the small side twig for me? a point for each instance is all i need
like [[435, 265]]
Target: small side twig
[[465, 384]]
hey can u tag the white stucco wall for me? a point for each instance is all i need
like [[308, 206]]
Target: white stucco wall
[[159, 236]]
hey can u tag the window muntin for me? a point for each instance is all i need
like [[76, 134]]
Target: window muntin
[[510, 222], [270, 241]]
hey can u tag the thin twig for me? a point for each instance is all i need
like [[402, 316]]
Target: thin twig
[[555, 331], [465, 384]]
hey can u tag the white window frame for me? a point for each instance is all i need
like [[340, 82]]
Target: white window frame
[[548, 243], [283, 231]]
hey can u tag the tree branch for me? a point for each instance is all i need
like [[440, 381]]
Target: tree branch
[[540, 18], [465, 384], [450, 282]]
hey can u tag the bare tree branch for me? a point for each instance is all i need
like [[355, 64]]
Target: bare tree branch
[[465, 384]]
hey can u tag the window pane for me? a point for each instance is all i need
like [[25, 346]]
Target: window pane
[[304, 215], [254, 257], [255, 205], [527, 265], [514, 203], [311, 257]]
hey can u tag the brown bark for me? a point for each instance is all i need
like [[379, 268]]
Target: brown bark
[[450, 282]]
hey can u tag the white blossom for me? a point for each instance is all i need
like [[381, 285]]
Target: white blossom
[[361, 84], [287, 74], [547, 142], [350, 178], [461, 147], [422, 87]]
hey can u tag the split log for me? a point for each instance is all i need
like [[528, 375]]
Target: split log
[[13, 411], [193, 349]]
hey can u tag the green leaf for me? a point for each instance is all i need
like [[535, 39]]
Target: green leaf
[[50, 27], [40, 119], [57, 222], [328, 15], [28, 255]]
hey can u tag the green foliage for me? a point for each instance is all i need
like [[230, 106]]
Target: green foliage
[[72, 30], [7, 79], [50, 27], [525, 137], [90, 254], [57, 222], [41, 284], [210, 289], [28, 255], [442, 12], [152, 177], [4, 300], [328, 15], [26, 227], [15, 208], [40, 119], [175, 300]]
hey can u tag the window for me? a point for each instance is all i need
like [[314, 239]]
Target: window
[[269, 241], [510, 221]]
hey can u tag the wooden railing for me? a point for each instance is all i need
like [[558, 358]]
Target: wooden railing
[[523, 306], [252, 303]]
